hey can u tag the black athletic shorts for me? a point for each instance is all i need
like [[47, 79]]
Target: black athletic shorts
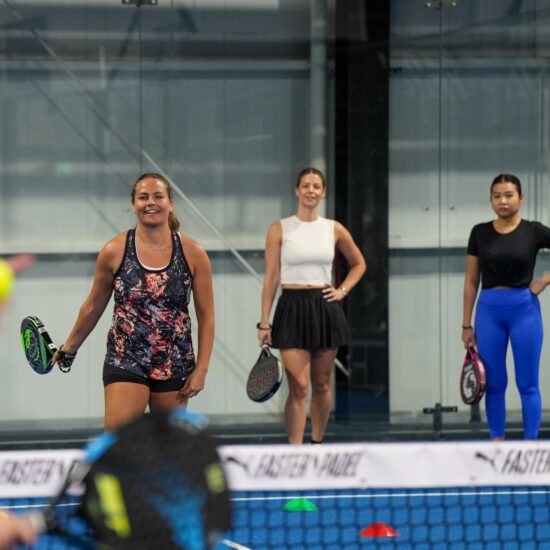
[[116, 374]]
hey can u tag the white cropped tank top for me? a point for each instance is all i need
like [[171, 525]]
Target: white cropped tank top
[[307, 251]]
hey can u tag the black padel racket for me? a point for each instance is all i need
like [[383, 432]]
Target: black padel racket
[[472, 378], [37, 344], [265, 377], [155, 483]]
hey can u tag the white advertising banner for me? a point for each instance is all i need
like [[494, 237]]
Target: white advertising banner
[[387, 465], [37, 473], [40, 473]]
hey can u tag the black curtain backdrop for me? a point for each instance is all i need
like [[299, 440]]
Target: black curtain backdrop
[[361, 174]]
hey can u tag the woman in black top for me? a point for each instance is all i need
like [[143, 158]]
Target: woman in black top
[[504, 252]]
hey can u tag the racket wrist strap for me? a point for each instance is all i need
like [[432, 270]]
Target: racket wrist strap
[[268, 327], [65, 359]]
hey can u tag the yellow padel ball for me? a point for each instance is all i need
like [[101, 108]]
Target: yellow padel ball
[[7, 278]]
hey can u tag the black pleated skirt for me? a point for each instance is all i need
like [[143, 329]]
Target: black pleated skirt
[[305, 320]]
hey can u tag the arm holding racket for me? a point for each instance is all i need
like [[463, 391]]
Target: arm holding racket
[[203, 298], [94, 305], [14, 531], [138, 482], [471, 286], [271, 280]]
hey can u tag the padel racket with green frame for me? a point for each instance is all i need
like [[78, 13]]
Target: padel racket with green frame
[[38, 346]]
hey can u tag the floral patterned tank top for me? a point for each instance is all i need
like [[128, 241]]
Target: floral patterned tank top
[[150, 334]]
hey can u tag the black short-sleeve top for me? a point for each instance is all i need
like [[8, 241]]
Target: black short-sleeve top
[[508, 259]]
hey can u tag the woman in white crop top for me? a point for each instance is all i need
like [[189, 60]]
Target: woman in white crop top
[[309, 324]]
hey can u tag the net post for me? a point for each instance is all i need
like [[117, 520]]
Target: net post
[[437, 410], [475, 414], [139, 3]]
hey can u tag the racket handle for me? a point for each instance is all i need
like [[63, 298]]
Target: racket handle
[[36, 521], [41, 522], [65, 360]]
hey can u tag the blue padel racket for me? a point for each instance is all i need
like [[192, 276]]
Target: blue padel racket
[[265, 377], [472, 378], [155, 483], [38, 347]]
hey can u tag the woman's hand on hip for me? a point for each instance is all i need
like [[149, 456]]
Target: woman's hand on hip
[[332, 294], [537, 286]]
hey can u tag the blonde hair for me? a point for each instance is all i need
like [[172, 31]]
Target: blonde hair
[[173, 221]]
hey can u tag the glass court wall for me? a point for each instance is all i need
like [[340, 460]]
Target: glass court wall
[[230, 99], [214, 94], [469, 100]]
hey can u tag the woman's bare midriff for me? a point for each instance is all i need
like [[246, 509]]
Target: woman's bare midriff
[[297, 287]]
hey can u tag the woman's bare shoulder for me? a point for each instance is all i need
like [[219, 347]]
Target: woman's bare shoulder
[[110, 256], [190, 244], [193, 250], [116, 244]]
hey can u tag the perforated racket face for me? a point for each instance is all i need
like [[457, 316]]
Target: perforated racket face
[[264, 378], [161, 485], [470, 385], [472, 381], [32, 345], [37, 345]]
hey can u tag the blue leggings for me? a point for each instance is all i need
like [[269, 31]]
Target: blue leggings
[[502, 315]]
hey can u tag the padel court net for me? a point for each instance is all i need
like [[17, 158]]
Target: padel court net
[[474, 495]]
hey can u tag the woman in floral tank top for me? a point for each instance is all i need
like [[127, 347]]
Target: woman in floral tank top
[[152, 271]]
